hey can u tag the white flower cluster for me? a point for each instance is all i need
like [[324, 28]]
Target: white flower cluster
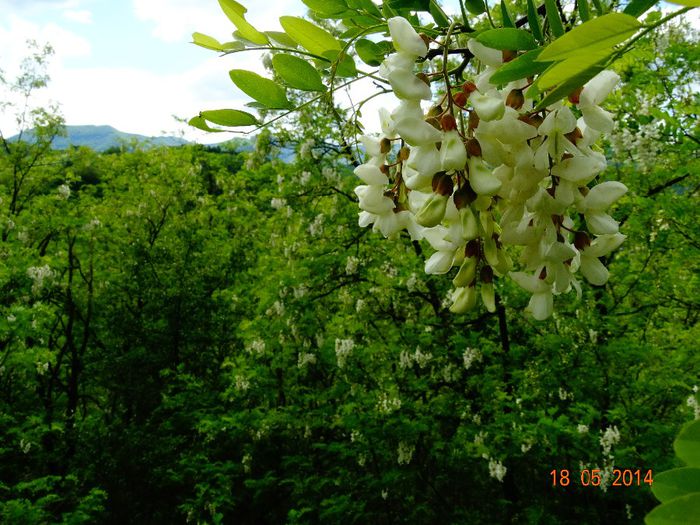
[[343, 348], [405, 453], [692, 402], [497, 470], [483, 170], [610, 437], [39, 274]]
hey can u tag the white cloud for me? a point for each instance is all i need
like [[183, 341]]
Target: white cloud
[[176, 20], [82, 16]]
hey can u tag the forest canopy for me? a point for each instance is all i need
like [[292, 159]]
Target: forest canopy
[[207, 334]]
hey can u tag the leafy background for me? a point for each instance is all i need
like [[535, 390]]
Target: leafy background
[[215, 340]]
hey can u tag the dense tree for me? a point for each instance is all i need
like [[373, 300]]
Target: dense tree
[[206, 335]]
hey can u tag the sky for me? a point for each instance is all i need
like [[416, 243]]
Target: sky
[[131, 64]]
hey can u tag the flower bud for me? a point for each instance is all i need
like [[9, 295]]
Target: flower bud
[[487, 107], [464, 196], [470, 226], [448, 122], [473, 148], [425, 78], [473, 120], [463, 300], [453, 154], [490, 252], [481, 178], [574, 96], [488, 295], [509, 55], [444, 186], [581, 240], [466, 274], [404, 153], [468, 88], [574, 136], [515, 99], [433, 211], [460, 99], [405, 38], [385, 145]]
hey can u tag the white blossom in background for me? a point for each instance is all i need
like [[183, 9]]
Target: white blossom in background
[[256, 347], [343, 349], [64, 191], [351, 265], [305, 359], [497, 470], [405, 453], [25, 446], [692, 402], [39, 274], [582, 429], [610, 437], [241, 383], [481, 175], [422, 358], [247, 462], [387, 404], [316, 226], [277, 203], [471, 356]]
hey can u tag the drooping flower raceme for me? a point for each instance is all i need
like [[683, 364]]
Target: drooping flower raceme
[[483, 175]]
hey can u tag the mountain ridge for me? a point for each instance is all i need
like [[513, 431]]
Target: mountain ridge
[[103, 137]]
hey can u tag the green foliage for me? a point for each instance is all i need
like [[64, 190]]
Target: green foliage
[[507, 38], [678, 490], [263, 90], [297, 73], [205, 335]]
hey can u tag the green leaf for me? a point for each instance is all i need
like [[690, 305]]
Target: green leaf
[[260, 88], [327, 8], [677, 482], [369, 52], [687, 3], [308, 35], [438, 14], [601, 33], [533, 21], [365, 5], [507, 20], [684, 510], [297, 73], [411, 5], [524, 66], [507, 38], [570, 68], [565, 88], [583, 10], [475, 7], [199, 123], [346, 67], [638, 7], [687, 444], [360, 25], [553, 18], [229, 117], [206, 41], [281, 38], [235, 11]]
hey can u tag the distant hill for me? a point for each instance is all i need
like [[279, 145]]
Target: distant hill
[[101, 138]]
